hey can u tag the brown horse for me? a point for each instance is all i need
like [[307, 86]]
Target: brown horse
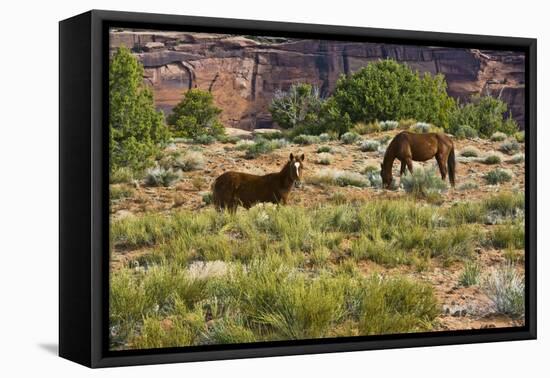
[[407, 146], [232, 189]]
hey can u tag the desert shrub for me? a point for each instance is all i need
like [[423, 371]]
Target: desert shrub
[[470, 151], [423, 182], [485, 114], [362, 128], [226, 139], [349, 137], [120, 191], [505, 287], [507, 236], [243, 145], [375, 180], [204, 139], [423, 127], [369, 146], [121, 175], [390, 90], [306, 140], [492, 158], [395, 305], [263, 146], [510, 147], [207, 198], [468, 185], [299, 106], [517, 159], [324, 158], [505, 204], [465, 132], [324, 137], [498, 176], [196, 115], [322, 149], [471, 274], [137, 130], [371, 168], [190, 161], [338, 177], [384, 139], [520, 136], [379, 251], [159, 176], [498, 137], [406, 124], [388, 125]]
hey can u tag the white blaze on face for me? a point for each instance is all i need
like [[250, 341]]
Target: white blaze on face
[[297, 166]]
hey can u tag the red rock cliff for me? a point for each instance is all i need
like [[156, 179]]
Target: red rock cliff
[[243, 73]]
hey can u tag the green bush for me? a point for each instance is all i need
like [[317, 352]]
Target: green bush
[[498, 176], [322, 149], [485, 114], [390, 90], [138, 132], [423, 182], [196, 116], [349, 137]]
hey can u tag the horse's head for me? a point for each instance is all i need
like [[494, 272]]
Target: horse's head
[[386, 176], [296, 164]]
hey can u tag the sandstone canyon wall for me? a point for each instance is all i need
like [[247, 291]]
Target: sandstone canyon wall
[[244, 72]]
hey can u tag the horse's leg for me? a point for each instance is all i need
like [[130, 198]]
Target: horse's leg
[[442, 166], [409, 162], [403, 167]]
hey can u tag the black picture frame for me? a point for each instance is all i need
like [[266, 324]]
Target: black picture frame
[[84, 193]]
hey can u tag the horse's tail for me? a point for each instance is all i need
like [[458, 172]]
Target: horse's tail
[[451, 165]]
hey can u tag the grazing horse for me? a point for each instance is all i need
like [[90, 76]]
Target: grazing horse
[[232, 189], [407, 146]]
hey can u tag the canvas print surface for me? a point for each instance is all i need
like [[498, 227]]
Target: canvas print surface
[[272, 189]]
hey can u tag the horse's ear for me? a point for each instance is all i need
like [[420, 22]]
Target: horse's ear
[[291, 156], [302, 157]]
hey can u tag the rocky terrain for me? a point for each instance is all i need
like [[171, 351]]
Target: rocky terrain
[[243, 72]]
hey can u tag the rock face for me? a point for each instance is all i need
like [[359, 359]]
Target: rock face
[[243, 72]]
